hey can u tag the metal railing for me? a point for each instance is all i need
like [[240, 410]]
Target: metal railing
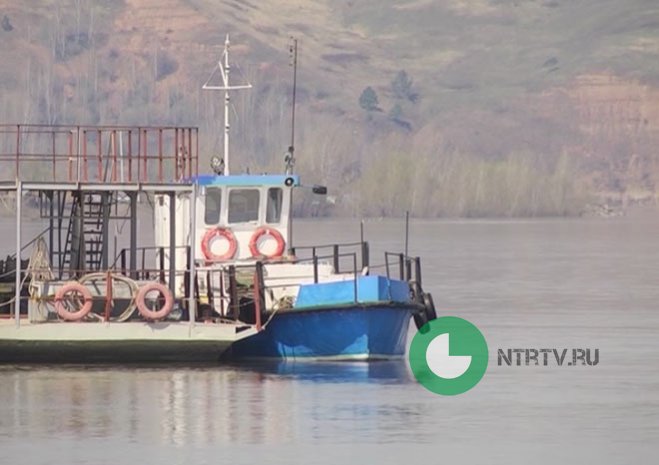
[[409, 269], [145, 255], [336, 252], [253, 291], [98, 154]]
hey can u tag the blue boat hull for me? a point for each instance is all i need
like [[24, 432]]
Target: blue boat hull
[[359, 332]]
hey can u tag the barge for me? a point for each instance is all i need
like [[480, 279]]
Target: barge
[[221, 279]]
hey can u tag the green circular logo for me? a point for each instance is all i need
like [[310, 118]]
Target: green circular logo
[[448, 355]]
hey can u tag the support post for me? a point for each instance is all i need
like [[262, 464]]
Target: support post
[[160, 176], [84, 156], [99, 141], [60, 219], [192, 305], [139, 154], [79, 137], [130, 156], [209, 294], [145, 173], [386, 264], [113, 143], [233, 293], [259, 296], [189, 162], [17, 296], [417, 272], [70, 141], [18, 151], [108, 298], [106, 206], [172, 242], [196, 148], [187, 282], [355, 278], [54, 157], [361, 231], [133, 234], [176, 176], [407, 232], [51, 227], [161, 264], [145, 273]]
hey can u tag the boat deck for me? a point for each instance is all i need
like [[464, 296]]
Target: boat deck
[[126, 342]]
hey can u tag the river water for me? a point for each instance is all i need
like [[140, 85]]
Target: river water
[[582, 283]]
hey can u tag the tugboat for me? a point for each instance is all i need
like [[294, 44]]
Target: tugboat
[[304, 306], [302, 303], [222, 279]]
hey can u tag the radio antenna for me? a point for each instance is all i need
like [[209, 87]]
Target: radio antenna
[[290, 158]]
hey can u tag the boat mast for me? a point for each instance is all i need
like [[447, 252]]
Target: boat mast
[[225, 69]]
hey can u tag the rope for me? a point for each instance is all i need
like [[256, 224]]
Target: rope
[[267, 322], [13, 299], [132, 285], [8, 273], [38, 268], [39, 265], [284, 303], [39, 236]]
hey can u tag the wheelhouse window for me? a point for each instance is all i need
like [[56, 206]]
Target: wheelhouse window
[[243, 205], [213, 206], [273, 210]]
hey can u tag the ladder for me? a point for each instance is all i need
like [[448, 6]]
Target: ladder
[[85, 247]]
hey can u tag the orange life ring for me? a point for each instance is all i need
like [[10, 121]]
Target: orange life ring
[[212, 234], [69, 287], [266, 231], [145, 311]]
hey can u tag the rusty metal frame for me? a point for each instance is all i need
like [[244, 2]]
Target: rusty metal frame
[[175, 151]]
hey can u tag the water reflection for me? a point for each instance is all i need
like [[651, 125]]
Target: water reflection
[[336, 372], [256, 403]]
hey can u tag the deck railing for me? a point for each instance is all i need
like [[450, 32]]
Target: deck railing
[[396, 265], [98, 154], [336, 251]]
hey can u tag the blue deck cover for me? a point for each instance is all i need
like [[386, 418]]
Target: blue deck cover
[[369, 289], [245, 180]]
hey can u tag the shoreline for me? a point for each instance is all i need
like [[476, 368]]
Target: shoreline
[[590, 210]]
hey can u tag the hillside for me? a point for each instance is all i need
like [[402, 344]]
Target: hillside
[[504, 107]]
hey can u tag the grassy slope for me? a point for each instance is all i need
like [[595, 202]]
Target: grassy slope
[[494, 77]]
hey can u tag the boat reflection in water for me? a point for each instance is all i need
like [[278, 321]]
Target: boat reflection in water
[[207, 406], [393, 371]]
